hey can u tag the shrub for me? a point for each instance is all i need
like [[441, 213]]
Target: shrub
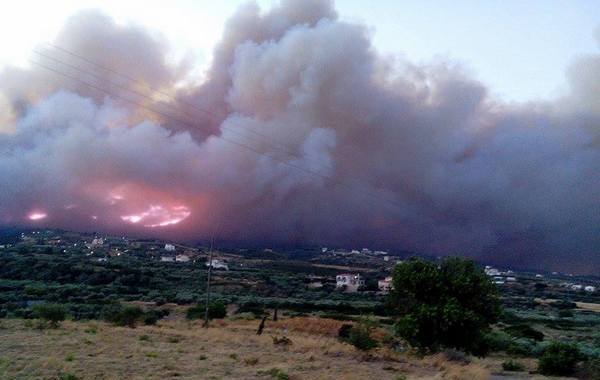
[[215, 310], [497, 341], [150, 318], [559, 359], [344, 331], [124, 315], [360, 335], [67, 376], [565, 313], [252, 307], [195, 312], [52, 313], [591, 369], [449, 305], [281, 341], [251, 361], [512, 365], [525, 331], [278, 374]]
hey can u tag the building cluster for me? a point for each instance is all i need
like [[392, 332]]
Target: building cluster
[[500, 277], [349, 282], [578, 287], [353, 252]]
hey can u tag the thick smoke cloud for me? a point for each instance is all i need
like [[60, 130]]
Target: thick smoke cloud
[[406, 156]]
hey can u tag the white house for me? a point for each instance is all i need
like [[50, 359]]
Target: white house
[[97, 242], [169, 247], [590, 289], [511, 279], [350, 282], [576, 287], [217, 264], [385, 285], [182, 258], [491, 271], [167, 259]]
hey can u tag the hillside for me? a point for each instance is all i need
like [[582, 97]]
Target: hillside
[[178, 349]]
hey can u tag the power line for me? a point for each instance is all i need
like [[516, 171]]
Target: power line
[[125, 88], [242, 145], [159, 91]]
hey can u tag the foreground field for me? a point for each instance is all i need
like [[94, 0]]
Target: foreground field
[[176, 348]]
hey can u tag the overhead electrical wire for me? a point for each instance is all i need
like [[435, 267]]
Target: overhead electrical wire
[[190, 124]]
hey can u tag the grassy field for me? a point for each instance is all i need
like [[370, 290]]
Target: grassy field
[[179, 349]]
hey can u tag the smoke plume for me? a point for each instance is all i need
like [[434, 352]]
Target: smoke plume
[[311, 136]]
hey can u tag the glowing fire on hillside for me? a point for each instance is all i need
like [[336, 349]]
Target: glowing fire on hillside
[[35, 215]]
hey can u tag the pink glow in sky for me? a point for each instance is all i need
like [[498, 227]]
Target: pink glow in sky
[[37, 215]]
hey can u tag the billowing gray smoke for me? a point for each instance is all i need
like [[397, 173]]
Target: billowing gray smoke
[[407, 156]]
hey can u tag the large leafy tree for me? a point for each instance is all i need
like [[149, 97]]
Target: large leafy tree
[[451, 304]]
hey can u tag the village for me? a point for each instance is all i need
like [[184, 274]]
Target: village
[[359, 270]]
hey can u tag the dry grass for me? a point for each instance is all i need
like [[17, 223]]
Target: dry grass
[[180, 349], [589, 306]]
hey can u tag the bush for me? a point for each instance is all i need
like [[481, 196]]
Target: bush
[[559, 359], [360, 335], [278, 374], [216, 310], [512, 365], [525, 331], [449, 305], [52, 313], [124, 315], [67, 376], [591, 369], [344, 331], [565, 314]]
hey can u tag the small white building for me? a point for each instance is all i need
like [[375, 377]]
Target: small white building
[[315, 285], [169, 247], [167, 259], [217, 264], [491, 271], [385, 285], [182, 258], [576, 287], [511, 279], [97, 242], [590, 289], [350, 282]]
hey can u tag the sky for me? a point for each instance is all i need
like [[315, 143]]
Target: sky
[[520, 49], [443, 128]]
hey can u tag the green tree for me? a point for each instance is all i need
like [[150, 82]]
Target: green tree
[[216, 310], [449, 305], [559, 359], [127, 315], [52, 313]]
